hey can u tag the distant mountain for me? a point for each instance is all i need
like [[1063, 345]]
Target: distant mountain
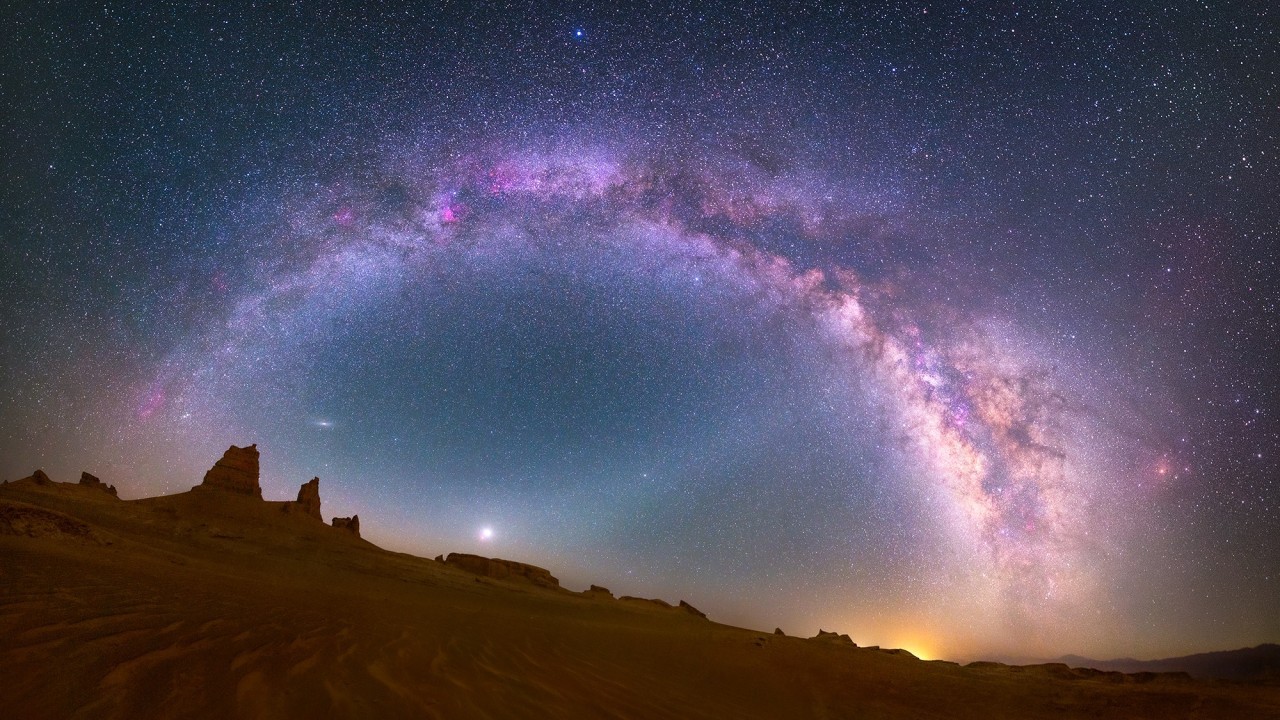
[[1255, 663]]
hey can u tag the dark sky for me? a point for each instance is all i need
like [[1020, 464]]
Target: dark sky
[[949, 326]]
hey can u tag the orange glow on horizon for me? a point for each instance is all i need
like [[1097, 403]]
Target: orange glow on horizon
[[918, 651]]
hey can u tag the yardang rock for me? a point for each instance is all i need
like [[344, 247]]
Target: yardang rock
[[309, 499], [236, 472]]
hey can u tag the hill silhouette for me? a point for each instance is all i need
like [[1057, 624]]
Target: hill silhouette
[[1256, 663]]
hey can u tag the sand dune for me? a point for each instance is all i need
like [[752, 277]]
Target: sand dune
[[218, 604]]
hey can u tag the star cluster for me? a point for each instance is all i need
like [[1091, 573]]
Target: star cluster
[[950, 327]]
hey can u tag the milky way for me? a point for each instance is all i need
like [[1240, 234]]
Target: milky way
[[946, 328], [981, 432]]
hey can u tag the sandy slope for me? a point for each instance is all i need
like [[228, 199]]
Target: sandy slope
[[208, 604]]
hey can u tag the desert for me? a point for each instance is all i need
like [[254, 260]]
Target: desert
[[217, 603]]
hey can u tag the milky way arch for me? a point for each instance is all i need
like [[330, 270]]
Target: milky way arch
[[989, 426]]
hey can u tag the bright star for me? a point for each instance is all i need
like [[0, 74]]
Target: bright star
[[486, 533]]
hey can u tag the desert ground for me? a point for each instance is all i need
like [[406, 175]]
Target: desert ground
[[216, 603]]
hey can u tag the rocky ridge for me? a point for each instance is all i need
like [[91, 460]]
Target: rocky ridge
[[502, 569], [92, 481]]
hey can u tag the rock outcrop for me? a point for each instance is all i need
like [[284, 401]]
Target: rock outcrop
[[691, 609], [24, 520], [502, 569], [309, 499], [778, 631], [834, 637], [93, 482], [658, 602], [236, 472], [598, 592], [37, 478], [351, 524]]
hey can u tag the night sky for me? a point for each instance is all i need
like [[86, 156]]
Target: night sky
[[949, 326]]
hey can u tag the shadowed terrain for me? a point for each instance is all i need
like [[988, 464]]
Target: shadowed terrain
[[215, 603]]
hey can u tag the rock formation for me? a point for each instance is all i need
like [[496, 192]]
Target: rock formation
[[599, 592], [351, 524], [93, 482], [659, 602], [778, 631], [236, 472], [38, 477], [834, 637], [691, 609], [309, 499], [502, 569]]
